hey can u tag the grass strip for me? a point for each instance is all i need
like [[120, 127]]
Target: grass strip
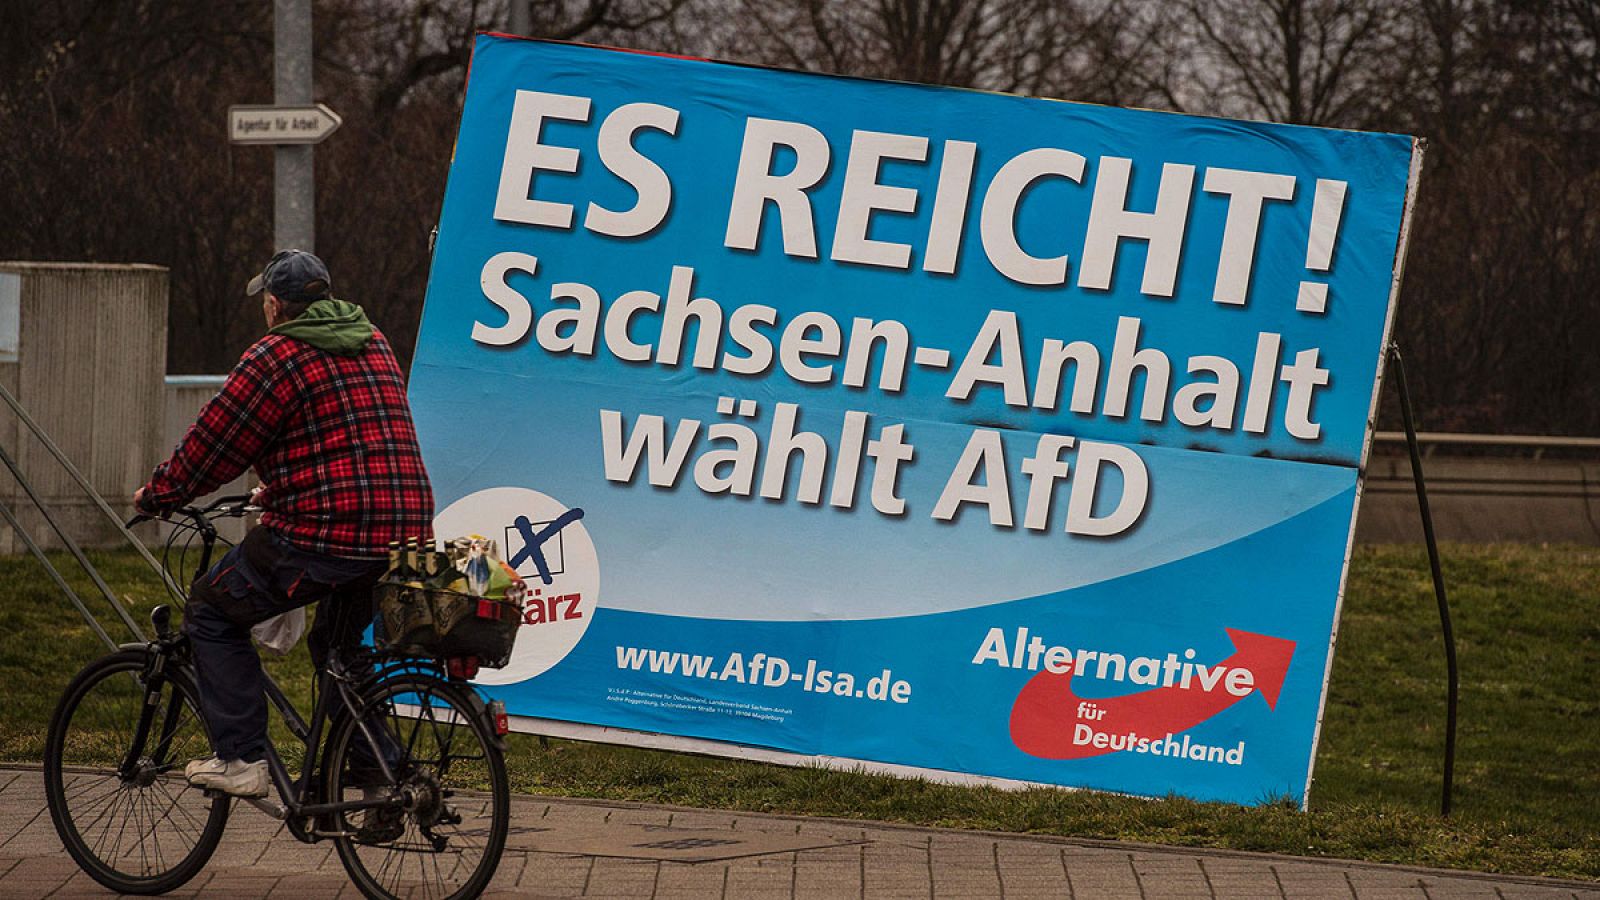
[[1527, 621]]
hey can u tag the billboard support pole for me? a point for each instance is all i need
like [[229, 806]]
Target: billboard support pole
[[1438, 577]]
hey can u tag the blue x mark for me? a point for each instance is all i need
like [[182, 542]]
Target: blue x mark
[[531, 541]]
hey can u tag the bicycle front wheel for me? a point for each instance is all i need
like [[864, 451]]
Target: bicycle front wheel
[[113, 774], [444, 836]]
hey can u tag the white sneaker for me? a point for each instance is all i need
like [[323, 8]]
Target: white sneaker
[[231, 776], [196, 766]]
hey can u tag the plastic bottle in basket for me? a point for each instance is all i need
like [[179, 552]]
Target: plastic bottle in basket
[[478, 564]]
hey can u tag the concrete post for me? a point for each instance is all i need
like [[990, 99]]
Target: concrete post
[[83, 347]]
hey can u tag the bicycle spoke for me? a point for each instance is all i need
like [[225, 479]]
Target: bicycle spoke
[[154, 804], [116, 799], [139, 831], [189, 826], [114, 787], [444, 745], [105, 805], [107, 812], [144, 857], [124, 817], [163, 755], [435, 852], [383, 869], [124, 712], [117, 826], [176, 805], [122, 826], [438, 877], [416, 730], [155, 837]]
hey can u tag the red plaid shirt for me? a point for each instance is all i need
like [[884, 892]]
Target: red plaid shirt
[[329, 436]]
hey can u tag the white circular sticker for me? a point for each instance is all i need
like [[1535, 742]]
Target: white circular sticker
[[534, 531]]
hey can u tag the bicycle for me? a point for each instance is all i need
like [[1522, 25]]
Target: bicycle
[[380, 755]]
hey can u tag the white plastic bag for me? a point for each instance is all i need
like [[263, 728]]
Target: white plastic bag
[[281, 632]]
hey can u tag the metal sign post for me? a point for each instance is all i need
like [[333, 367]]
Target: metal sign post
[[294, 184], [1438, 579], [292, 125], [519, 18]]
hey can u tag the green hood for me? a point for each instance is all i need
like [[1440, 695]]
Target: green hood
[[333, 326]]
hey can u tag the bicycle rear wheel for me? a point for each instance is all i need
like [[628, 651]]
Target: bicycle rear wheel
[[444, 839], [113, 776]]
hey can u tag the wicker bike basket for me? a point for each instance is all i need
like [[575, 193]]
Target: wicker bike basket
[[445, 624]]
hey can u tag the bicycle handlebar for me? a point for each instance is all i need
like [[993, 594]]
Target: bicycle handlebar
[[230, 507]]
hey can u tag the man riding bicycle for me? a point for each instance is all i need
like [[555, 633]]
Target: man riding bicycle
[[318, 407]]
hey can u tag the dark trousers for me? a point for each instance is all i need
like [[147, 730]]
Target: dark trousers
[[263, 576]]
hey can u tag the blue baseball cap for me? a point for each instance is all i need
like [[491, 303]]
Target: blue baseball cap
[[294, 276]]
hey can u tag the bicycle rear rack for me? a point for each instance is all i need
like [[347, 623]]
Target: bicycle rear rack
[[61, 533]]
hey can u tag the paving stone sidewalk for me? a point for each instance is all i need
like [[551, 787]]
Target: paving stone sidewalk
[[869, 860]]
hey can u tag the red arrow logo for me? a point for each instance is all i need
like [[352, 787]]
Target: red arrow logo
[[1048, 719]]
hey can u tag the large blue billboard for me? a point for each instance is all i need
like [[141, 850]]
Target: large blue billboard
[[917, 428]]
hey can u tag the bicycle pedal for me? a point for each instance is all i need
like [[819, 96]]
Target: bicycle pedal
[[275, 810], [332, 834]]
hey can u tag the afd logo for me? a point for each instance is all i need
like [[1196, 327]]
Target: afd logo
[[535, 549]]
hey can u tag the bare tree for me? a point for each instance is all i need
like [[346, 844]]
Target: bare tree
[[1302, 61], [114, 146], [400, 75], [429, 44], [120, 154], [1018, 46], [1495, 311]]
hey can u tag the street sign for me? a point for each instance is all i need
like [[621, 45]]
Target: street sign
[[281, 124]]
